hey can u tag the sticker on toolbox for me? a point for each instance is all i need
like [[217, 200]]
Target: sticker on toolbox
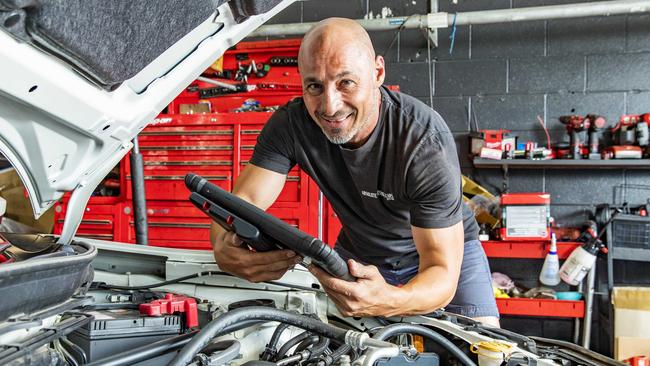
[[526, 221]]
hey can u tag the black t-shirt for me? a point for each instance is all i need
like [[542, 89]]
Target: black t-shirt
[[407, 173]]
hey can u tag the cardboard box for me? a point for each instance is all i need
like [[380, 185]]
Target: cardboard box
[[195, 108], [631, 320], [626, 347], [18, 206]]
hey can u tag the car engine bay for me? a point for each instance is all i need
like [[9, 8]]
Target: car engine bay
[[142, 305]]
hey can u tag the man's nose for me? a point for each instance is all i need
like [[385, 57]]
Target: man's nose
[[331, 101]]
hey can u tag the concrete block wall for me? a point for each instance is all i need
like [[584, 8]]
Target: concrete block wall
[[508, 74]]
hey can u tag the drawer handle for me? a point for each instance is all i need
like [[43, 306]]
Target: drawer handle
[[251, 132], [188, 163], [165, 224], [90, 222], [186, 133], [97, 236], [187, 148], [180, 177]]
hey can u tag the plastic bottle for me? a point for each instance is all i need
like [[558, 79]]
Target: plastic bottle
[[550, 274], [579, 263]]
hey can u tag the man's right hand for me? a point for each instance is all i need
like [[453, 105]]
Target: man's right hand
[[234, 257]]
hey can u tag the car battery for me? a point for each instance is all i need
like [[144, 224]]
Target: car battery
[[525, 216], [115, 331]]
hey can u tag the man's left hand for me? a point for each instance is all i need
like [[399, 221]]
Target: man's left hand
[[369, 295]]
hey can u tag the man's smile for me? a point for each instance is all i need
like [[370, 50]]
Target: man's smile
[[335, 122]]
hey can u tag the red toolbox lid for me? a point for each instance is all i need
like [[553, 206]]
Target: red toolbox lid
[[529, 198]]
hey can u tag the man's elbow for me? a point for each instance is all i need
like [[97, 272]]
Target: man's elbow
[[442, 296]]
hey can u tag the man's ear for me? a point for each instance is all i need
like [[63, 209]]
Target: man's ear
[[380, 71]]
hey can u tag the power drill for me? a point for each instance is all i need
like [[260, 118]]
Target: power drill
[[626, 129], [576, 127]]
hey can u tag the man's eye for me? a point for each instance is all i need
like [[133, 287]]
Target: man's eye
[[313, 88], [346, 83]]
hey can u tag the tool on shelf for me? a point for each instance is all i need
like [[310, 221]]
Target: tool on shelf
[[632, 138], [577, 128]]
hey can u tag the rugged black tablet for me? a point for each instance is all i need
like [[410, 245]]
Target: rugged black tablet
[[258, 229]]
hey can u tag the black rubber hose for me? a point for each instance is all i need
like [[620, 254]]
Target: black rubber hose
[[224, 355], [216, 347], [309, 342], [401, 328], [218, 326], [290, 343], [270, 350], [327, 360], [319, 348]]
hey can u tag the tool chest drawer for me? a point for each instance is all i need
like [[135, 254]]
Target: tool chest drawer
[[170, 184], [205, 162], [100, 221], [185, 149], [175, 224]]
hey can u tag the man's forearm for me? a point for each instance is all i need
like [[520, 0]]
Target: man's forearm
[[431, 289]]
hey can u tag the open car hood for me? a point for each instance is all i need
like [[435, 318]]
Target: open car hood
[[81, 78]]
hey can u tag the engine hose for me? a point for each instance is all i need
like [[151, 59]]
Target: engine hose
[[401, 328], [216, 347], [270, 351], [258, 313], [312, 340], [319, 348], [327, 360], [225, 352], [290, 344]]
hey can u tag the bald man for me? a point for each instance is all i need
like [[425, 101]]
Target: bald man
[[388, 165]]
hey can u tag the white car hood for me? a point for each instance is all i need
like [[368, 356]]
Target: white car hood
[[63, 132]]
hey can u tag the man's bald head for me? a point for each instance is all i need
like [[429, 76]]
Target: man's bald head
[[341, 77], [335, 33]]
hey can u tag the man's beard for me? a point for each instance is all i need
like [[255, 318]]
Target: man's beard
[[336, 136]]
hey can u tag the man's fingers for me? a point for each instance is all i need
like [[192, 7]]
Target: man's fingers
[[332, 284], [266, 258], [282, 265], [358, 270], [231, 239]]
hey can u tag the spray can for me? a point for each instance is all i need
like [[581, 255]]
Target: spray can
[[579, 263], [550, 274]]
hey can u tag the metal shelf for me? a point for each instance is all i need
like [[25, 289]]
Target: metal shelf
[[541, 307], [630, 254], [563, 164], [526, 249]]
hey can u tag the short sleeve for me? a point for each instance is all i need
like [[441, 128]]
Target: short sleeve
[[433, 186], [275, 144]]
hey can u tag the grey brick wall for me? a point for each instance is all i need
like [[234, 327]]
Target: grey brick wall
[[508, 74]]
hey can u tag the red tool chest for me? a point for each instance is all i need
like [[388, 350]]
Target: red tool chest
[[102, 219]]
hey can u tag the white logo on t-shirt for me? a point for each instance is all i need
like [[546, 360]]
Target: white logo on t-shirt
[[386, 196]]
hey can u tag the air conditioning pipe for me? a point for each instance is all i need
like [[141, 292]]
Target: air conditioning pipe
[[444, 20]]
